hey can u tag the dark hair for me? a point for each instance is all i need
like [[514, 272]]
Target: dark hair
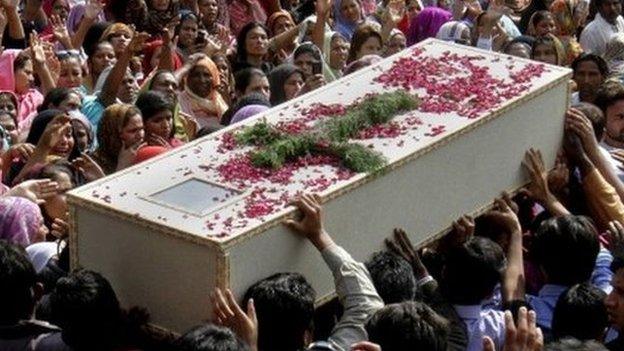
[[151, 103], [608, 94], [277, 78], [523, 39], [54, 98], [249, 99], [408, 326], [210, 337], [92, 38], [471, 271], [85, 306], [392, 276], [360, 36], [186, 15], [285, 307], [598, 60], [571, 344], [39, 125], [580, 313], [566, 248], [17, 278], [243, 77], [241, 39], [540, 16], [595, 115], [20, 61]]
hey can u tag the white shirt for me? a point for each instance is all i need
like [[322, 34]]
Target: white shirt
[[595, 36]]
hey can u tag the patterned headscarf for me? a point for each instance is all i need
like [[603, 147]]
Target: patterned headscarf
[[20, 220], [342, 25], [109, 142]]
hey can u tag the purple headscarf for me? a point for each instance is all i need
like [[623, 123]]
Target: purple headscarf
[[75, 16], [248, 111], [427, 24], [20, 220]]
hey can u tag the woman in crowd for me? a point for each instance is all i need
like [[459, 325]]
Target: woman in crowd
[[366, 41], [119, 137], [252, 80], [348, 14], [548, 49], [21, 221], [286, 82], [157, 112], [201, 98]]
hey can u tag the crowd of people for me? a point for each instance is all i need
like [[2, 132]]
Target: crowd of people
[[90, 87]]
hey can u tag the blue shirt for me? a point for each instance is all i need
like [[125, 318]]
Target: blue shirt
[[482, 322]]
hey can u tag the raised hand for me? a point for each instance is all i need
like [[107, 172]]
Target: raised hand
[[228, 313], [577, 123], [401, 245], [615, 233], [394, 12], [311, 225], [59, 29], [138, 42], [559, 177], [323, 7], [505, 213], [37, 190], [9, 4], [93, 8], [88, 167], [534, 164], [60, 228], [21, 151], [54, 131], [36, 49], [526, 336]]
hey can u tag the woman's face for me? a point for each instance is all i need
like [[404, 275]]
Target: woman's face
[[339, 53], [24, 78], [519, 50], [259, 84], [82, 136], [120, 42], [351, 11], [166, 84], [188, 32], [305, 62], [396, 44], [545, 53], [256, 42], [60, 9], [71, 73], [209, 10], [160, 124], [545, 26], [7, 122], [71, 103], [293, 85], [160, 5], [281, 25], [7, 105], [64, 145], [56, 206], [372, 46], [200, 81], [132, 133], [103, 57]]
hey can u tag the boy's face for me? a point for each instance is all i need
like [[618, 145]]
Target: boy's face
[[615, 301]]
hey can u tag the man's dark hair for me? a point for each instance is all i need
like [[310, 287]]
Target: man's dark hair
[[566, 248], [152, 102], [580, 313], [597, 59], [608, 94], [210, 337], [392, 276], [595, 115], [243, 78], [54, 98], [408, 326], [471, 271], [285, 308], [17, 279], [85, 306], [571, 344]]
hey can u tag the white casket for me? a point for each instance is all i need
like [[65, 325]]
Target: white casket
[[169, 230]]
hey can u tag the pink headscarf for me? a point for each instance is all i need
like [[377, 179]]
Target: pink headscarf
[[426, 24], [20, 220]]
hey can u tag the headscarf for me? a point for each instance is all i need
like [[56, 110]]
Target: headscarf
[[614, 55], [563, 14], [157, 20], [109, 141], [452, 31], [309, 47], [274, 17], [556, 43], [196, 105], [78, 117], [247, 112], [341, 24], [427, 24], [20, 220], [75, 16], [116, 28], [329, 37], [277, 79]]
